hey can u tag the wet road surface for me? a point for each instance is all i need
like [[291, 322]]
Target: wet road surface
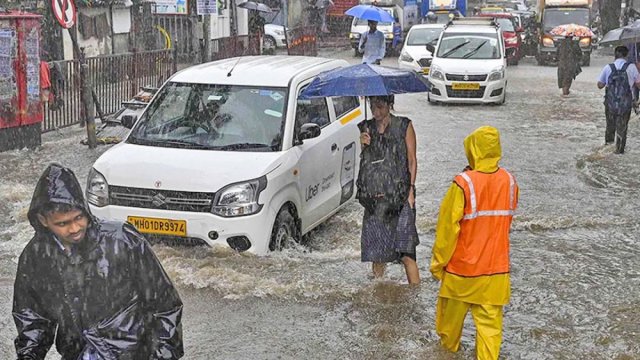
[[575, 267]]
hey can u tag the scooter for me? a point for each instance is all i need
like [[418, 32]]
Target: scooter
[[111, 130]]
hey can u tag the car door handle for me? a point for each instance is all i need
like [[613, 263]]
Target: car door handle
[[334, 147]]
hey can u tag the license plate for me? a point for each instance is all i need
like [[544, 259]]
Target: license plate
[[425, 71], [159, 226], [465, 86]]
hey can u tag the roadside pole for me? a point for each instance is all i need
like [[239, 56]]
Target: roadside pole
[[206, 37], [65, 12]]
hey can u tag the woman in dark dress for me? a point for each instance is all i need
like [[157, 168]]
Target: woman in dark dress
[[392, 237], [569, 58]]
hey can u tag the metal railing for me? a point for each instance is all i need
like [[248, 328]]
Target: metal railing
[[114, 78]]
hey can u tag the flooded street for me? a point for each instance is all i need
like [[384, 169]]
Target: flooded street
[[574, 252]]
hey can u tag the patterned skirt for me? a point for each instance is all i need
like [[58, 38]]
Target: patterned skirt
[[388, 238]]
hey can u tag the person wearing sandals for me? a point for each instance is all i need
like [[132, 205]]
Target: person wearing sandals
[[386, 189]]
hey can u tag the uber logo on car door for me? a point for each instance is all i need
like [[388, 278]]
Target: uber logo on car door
[[348, 171]]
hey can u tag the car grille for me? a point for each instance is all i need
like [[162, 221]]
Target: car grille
[[458, 77], [161, 199], [424, 62], [465, 94]]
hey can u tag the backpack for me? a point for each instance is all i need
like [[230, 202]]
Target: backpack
[[383, 182], [618, 97]]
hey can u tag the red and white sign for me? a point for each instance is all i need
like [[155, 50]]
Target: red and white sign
[[65, 12]]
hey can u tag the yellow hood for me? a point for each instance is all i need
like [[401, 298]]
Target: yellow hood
[[483, 149]]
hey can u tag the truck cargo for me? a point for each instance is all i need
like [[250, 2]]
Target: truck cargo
[[456, 7], [552, 13]]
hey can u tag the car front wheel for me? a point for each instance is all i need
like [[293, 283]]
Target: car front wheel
[[269, 42], [284, 230]]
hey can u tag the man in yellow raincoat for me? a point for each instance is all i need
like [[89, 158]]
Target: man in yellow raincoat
[[471, 250]]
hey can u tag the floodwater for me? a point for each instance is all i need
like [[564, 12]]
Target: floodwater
[[575, 267]]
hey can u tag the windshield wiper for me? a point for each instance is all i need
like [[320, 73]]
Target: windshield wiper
[[472, 52], [179, 143], [454, 49], [239, 146]]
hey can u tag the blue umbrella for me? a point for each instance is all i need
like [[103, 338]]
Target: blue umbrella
[[370, 12], [365, 80]]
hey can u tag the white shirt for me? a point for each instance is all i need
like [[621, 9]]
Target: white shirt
[[632, 72], [374, 48]]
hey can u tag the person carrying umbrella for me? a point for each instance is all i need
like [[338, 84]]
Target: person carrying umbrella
[[569, 58], [372, 44], [386, 190], [471, 250]]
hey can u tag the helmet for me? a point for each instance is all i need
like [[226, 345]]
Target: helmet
[[432, 17], [451, 16]]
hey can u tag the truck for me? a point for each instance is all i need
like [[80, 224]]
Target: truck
[[552, 13], [406, 11], [442, 8]]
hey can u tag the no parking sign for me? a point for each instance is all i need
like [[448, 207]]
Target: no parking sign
[[65, 12]]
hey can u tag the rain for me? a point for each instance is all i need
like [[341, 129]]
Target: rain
[[575, 277]]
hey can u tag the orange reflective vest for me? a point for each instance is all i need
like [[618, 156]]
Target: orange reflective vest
[[483, 241]]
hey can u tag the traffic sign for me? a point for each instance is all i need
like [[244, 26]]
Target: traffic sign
[[65, 12]]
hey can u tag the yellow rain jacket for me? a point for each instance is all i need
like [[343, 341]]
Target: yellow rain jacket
[[483, 152]]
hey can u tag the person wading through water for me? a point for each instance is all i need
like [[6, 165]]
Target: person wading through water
[[569, 58], [619, 78], [471, 249], [386, 189]]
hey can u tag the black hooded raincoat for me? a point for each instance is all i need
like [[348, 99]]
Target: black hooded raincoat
[[109, 299]]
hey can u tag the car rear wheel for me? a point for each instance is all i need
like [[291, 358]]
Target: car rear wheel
[[284, 230]]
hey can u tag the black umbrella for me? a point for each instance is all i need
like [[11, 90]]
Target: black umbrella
[[252, 5]]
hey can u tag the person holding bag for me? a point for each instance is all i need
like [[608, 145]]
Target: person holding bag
[[386, 189]]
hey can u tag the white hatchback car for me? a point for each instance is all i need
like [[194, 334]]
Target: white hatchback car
[[470, 63], [414, 55], [225, 153]]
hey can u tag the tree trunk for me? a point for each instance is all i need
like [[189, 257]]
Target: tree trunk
[[610, 14]]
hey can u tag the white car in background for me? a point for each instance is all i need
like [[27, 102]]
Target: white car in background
[[414, 55], [469, 65], [274, 36]]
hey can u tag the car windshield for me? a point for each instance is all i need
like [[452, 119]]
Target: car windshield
[[506, 24], [556, 17], [213, 117], [469, 46], [423, 36]]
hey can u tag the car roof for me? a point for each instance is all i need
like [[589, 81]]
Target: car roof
[[481, 29], [427, 26], [264, 70], [497, 15]]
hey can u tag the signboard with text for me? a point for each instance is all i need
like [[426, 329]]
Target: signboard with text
[[171, 7], [207, 7]]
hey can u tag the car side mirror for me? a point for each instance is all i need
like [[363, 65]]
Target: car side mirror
[[431, 48], [309, 131], [128, 121]]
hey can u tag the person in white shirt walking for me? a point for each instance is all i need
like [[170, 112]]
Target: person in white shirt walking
[[619, 97], [372, 44]]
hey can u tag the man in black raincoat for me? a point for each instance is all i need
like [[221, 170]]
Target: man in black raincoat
[[95, 284]]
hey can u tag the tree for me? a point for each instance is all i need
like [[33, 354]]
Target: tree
[[610, 14]]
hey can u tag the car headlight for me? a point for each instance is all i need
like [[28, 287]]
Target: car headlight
[[97, 189], [547, 41], [388, 35], [585, 42], [497, 74], [354, 36], [511, 41], [239, 199], [404, 56], [436, 74]]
